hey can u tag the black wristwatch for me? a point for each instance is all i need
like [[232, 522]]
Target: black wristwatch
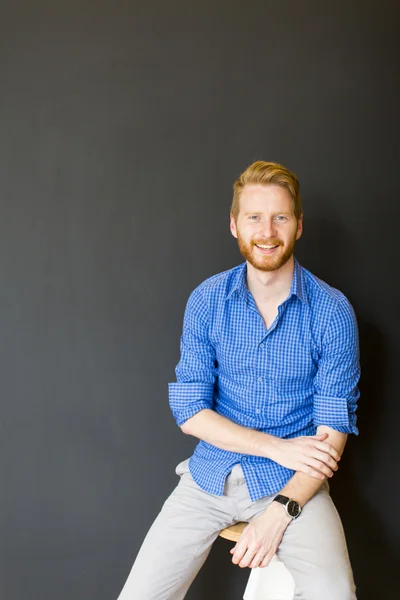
[[293, 508]]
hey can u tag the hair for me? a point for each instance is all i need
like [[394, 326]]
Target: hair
[[266, 173]]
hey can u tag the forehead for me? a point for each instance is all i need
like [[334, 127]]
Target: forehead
[[266, 198]]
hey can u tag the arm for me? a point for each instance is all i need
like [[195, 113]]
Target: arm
[[260, 540], [308, 454], [191, 401], [302, 487], [335, 402]]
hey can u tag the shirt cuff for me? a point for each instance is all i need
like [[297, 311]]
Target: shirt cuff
[[187, 399], [337, 413]]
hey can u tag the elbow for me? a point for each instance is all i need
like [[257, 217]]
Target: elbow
[[189, 426], [184, 427]]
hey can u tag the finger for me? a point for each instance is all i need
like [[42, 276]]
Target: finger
[[318, 465], [248, 557], [328, 449], [327, 459], [239, 553], [319, 436], [257, 560], [311, 472], [232, 550], [266, 560], [240, 547]]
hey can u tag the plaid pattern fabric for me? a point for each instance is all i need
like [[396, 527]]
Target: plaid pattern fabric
[[300, 373]]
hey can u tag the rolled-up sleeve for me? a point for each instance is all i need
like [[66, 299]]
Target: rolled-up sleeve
[[196, 370], [335, 384]]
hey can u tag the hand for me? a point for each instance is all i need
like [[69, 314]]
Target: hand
[[309, 454], [261, 538]]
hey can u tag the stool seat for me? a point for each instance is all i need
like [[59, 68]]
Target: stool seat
[[272, 583], [233, 532]]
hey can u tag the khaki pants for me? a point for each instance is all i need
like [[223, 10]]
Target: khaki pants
[[313, 547]]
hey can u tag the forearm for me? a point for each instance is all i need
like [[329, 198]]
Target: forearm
[[302, 487], [265, 532], [209, 426], [308, 454]]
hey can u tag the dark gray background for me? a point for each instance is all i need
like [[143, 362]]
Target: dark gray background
[[122, 128]]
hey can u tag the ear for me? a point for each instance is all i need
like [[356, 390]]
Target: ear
[[232, 226], [299, 227]]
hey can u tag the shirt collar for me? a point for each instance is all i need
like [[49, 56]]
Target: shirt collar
[[297, 288], [238, 281]]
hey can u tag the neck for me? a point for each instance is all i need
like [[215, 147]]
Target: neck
[[270, 286]]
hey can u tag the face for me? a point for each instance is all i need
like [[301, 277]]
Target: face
[[266, 227]]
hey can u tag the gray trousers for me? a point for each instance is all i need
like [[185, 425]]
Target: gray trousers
[[313, 547]]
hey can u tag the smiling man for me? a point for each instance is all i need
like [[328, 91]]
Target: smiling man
[[267, 381]]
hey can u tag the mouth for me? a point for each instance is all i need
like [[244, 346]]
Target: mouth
[[267, 248]]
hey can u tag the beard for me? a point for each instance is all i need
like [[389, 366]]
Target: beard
[[266, 263]]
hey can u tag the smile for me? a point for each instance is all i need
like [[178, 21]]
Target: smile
[[266, 249]]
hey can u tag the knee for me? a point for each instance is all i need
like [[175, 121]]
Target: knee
[[329, 587]]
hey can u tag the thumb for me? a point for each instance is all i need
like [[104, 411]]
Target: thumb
[[320, 436]]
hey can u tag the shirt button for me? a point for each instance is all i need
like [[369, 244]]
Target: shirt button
[[260, 378], [262, 345], [258, 411]]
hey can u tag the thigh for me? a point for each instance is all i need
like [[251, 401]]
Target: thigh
[[178, 542], [315, 552]]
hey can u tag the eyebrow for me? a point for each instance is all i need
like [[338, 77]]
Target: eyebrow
[[273, 214]]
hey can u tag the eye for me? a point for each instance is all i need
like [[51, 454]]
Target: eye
[[254, 217], [280, 218]]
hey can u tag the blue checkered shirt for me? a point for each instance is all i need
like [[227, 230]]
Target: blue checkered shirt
[[300, 373]]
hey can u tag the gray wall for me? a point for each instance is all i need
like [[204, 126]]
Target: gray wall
[[123, 125]]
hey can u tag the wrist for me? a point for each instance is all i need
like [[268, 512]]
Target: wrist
[[291, 507], [271, 447], [278, 513]]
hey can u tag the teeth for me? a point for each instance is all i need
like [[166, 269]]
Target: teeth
[[265, 247]]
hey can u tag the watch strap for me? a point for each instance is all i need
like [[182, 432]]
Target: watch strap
[[282, 499]]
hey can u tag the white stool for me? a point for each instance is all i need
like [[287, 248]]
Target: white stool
[[272, 583]]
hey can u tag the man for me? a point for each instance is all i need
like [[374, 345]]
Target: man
[[267, 380]]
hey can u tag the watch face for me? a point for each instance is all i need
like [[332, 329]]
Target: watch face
[[293, 508]]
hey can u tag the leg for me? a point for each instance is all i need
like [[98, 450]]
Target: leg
[[315, 552], [313, 549], [178, 542]]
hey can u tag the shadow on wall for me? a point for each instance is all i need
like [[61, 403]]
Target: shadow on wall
[[326, 253], [374, 561]]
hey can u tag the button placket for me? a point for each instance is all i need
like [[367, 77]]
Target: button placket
[[262, 380]]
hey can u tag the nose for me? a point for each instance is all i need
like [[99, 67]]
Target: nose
[[268, 229]]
